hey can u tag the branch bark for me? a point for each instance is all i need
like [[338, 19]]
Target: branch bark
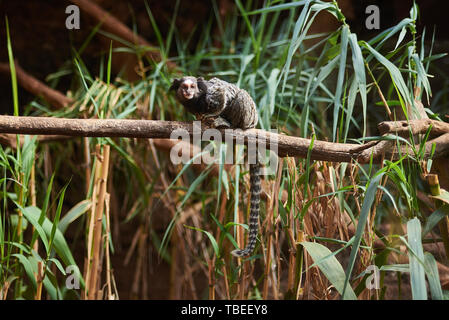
[[57, 128], [403, 128], [285, 145]]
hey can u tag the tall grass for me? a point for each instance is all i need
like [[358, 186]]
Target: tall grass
[[322, 224]]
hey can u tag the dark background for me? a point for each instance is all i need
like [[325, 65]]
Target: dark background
[[42, 44]]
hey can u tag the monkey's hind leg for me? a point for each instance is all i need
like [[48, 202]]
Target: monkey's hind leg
[[220, 122]]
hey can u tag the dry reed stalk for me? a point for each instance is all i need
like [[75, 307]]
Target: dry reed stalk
[[97, 229], [225, 278], [19, 212], [144, 254], [277, 240], [132, 247], [273, 280], [137, 274], [174, 283], [90, 227], [211, 277], [4, 290], [306, 290], [291, 271], [300, 257], [108, 257], [87, 161], [222, 212], [240, 264], [243, 282], [39, 280], [189, 279], [269, 228], [33, 197], [443, 224], [291, 166], [140, 270], [277, 258]]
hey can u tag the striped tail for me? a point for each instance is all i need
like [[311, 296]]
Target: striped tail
[[254, 171]]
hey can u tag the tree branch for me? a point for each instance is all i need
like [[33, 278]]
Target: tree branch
[[57, 129], [403, 128], [286, 145], [37, 87]]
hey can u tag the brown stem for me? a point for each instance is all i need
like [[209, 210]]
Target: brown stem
[[98, 227], [37, 87], [404, 127], [443, 224]]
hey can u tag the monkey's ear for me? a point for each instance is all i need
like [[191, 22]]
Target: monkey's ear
[[201, 83], [175, 85]]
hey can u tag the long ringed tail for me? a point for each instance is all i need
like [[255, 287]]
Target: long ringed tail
[[255, 188]]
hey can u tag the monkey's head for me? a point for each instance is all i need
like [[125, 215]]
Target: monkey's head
[[186, 88]]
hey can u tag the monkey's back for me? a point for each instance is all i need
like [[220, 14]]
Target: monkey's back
[[240, 109]]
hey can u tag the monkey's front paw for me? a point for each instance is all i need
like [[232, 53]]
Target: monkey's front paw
[[221, 123], [208, 122]]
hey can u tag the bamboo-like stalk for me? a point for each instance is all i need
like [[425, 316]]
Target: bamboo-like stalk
[[277, 240], [39, 280], [144, 253], [19, 212], [225, 278], [268, 254], [211, 276], [108, 258], [90, 226], [443, 224], [4, 290], [300, 258], [87, 162], [18, 283], [97, 229], [33, 197]]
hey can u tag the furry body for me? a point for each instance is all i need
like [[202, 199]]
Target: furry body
[[230, 107]]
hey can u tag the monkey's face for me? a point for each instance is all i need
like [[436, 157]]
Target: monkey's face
[[188, 88]]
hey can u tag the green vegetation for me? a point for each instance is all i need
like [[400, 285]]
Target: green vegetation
[[322, 223]]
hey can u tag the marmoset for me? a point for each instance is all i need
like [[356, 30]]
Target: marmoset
[[226, 106]]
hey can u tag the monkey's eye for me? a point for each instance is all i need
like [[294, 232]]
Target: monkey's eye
[[185, 86]]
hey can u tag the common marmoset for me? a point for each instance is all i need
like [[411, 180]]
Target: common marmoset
[[227, 106]]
